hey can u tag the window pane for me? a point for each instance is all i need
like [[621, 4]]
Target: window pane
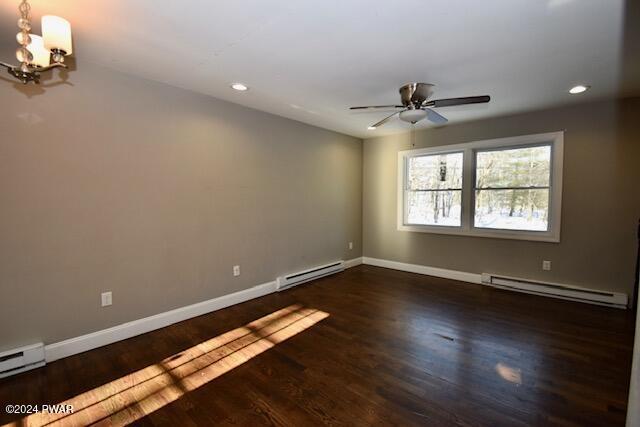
[[518, 167], [439, 171], [434, 207], [512, 209]]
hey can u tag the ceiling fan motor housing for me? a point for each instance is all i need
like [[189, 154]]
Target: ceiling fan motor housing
[[415, 94]]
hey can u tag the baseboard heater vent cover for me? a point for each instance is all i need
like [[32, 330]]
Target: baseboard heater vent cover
[[21, 359], [285, 282], [573, 293]]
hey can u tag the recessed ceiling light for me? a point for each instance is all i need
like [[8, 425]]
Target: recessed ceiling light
[[239, 86], [371, 128], [578, 89]]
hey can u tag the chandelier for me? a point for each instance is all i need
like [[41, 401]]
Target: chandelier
[[36, 52]]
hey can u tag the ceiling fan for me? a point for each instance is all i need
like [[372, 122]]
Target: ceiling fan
[[416, 106]]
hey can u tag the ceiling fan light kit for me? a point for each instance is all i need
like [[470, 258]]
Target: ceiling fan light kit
[[412, 116], [35, 52], [416, 105]]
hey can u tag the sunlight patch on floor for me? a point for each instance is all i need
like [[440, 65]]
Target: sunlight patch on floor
[[138, 394], [513, 375]]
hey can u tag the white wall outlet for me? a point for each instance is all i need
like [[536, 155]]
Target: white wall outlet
[[106, 298], [236, 270], [546, 265], [350, 245]]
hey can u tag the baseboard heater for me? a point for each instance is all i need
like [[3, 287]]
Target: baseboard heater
[[21, 359], [573, 293], [285, 282]]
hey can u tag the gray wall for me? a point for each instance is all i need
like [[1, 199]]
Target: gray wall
[[600, 206], [123, 184]]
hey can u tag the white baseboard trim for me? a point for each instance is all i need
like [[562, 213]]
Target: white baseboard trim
[[104, 337], [121, 332], [127, 330], [352, 262], [475, 278], [423, 269]]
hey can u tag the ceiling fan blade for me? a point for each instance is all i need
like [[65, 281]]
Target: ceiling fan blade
[[451, 102], [371, 107], [385, 120], [434, 117]]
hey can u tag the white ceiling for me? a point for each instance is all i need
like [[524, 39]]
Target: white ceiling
[[311, 60]]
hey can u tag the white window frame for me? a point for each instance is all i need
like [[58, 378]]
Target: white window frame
[[554, 139]]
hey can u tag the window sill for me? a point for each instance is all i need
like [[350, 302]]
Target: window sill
[[534, 236]]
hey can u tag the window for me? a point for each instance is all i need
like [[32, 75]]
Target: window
[[512, 188], [507, 188], [434, 189]]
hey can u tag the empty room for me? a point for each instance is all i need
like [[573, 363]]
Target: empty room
[[296, 213]]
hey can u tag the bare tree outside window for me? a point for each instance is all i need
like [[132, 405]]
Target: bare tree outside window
[[434, 189], [512, 188]]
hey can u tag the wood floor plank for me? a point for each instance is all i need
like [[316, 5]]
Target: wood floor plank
[[396, 349]]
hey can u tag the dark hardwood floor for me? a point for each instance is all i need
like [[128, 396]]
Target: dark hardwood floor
[[395, 349]]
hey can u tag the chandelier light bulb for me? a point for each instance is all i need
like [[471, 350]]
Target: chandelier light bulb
[[56, 33], [41, 56]]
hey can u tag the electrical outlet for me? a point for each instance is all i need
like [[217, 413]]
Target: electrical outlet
[[236, 270], [546, 265], [106, 298], [350, 245]]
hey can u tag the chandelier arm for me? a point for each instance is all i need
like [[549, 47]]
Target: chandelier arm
[[4, 64], [49, 67]]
